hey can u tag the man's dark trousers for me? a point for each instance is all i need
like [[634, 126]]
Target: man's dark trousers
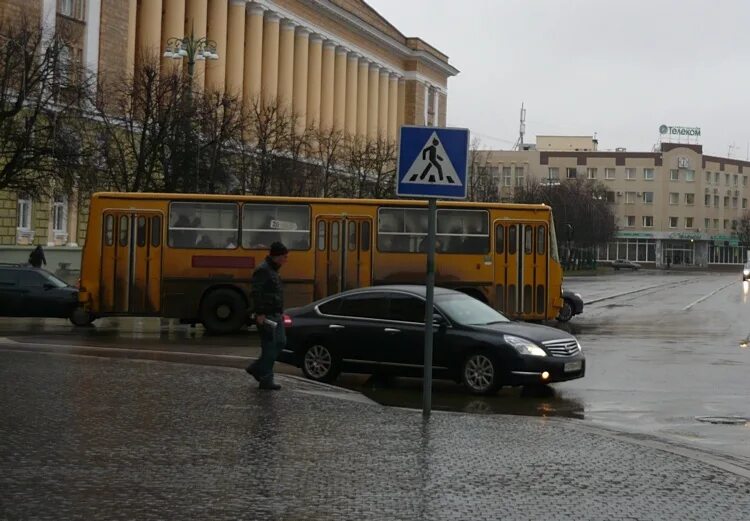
[[272, 341]]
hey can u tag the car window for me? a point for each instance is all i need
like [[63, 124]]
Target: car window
[[331, 307], [406, 308], [7, 278], [467, 310], [31, 279], [367, 305], [51, 279]]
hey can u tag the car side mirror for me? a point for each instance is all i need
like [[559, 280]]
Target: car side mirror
[[439, 321]]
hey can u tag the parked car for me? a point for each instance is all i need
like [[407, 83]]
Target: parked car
[[572, 305], [26, 291], [746, 271], [381, 330], [625, 264]]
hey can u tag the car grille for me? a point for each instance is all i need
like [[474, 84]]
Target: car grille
[[563, 347]]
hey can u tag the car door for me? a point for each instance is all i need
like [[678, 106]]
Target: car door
[[9, 292], [36, 299], [358, 328]]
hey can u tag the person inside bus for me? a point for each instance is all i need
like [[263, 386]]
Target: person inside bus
[[230, 244], [204, 241], [182, 238]]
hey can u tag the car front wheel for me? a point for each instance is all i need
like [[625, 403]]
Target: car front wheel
[[480, 373], [319, 363], [566, 312]]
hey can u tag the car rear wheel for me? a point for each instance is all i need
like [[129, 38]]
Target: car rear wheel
[[480, 373], [566, 312], [319, 363]]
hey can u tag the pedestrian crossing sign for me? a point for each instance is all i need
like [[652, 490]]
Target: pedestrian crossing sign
[[433, 162]]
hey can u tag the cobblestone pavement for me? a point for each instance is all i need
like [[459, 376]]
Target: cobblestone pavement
[[100, 438]]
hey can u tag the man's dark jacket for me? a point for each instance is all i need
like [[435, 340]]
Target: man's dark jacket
[[267, 289]]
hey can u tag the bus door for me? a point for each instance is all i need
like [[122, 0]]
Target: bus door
[[343, 254], [131, 262], [521, 268]]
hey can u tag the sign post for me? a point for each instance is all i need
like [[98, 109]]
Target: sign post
[[432, 163]]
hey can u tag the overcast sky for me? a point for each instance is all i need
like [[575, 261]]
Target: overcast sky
[[618, 68]]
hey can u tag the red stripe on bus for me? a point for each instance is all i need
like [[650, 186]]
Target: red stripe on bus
[[220, 261]]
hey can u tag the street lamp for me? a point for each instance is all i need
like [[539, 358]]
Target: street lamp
[[194, 49]]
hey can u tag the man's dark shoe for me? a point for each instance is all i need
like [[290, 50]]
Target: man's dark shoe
[[269, 386], [250, 369]]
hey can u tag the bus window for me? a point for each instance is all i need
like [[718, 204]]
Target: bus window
[[541, 240], [463, 231], [202, 225], [109, 230], [321, 235], [528, 239], [365, 240], [512, 243], [263, 224], [335, 236], [141, 231], [155, 231], [500, 239], [352, 236], [401, 229], [124, 220]]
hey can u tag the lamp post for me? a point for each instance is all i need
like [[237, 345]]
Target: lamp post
[[194, 49]]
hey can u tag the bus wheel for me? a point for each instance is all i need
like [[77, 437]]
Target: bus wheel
[[566, 312], [223, 311]]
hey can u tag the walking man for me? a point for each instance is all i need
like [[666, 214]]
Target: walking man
[[268, 303], [36, 257]]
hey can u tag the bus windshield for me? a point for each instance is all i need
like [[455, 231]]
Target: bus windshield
[[553, 239]]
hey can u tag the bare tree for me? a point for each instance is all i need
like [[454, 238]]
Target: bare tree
[[43, 93], [137, 118], [328, 152], [483, 185], [743, 229]]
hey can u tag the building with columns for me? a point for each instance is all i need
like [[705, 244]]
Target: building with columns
[[337, 64]]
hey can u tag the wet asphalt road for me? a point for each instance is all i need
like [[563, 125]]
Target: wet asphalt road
[[657, 358]]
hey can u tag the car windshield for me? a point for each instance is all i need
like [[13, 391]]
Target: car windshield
[[467, 310], [51, 279]]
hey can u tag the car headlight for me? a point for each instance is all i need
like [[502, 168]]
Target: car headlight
[[746, 272], [580, 347], [523, 346]]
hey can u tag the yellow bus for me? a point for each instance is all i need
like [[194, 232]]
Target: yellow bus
[[191, 256]]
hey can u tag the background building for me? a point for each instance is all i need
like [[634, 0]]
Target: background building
[[675, 203], [337, 64]]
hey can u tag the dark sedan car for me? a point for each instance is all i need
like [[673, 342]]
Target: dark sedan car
[[381, 330], [26, 291]]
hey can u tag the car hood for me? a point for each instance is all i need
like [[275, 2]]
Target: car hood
[[535, 332]]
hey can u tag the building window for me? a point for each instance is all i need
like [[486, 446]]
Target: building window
[[571, 173], [726, 179], [591, 173], [708, 178], [690, 176], [609, 173], [716, 224], [59, 213], [744, 203], [553, 174], [726, 224], [734, 224], [706, 223], [688, 222], [716, 178], [630, 221], [735, 179], [734, 202], [707, 200], [674, 198], [716, 201], [648, 197], [629, 197], [610, 197], [744, 180], [507, 179], [726, 201], [648, 174], [673, 221], [674, 175], [23, 212], [71, 8], [690, 199], [519, 176], [630, 174], [648, 221]]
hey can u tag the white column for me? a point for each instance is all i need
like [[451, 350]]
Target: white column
[[352, 66], [48, 20], [286, 65], [392, 107], [363, 83], [314, 68], [327, 82], [373, 102], [91, 38]]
